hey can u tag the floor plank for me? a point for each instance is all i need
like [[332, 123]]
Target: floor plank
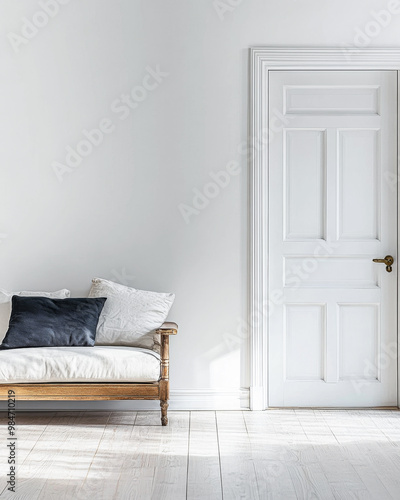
[[78, 451], [270, 457], [239, 479], [170, 478], [105, 467], [136, 479], [204, 474]]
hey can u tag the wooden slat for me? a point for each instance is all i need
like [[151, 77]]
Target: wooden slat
[[87, 398], [137, 478], [204, 473], [170, 476], [270, 456], [72, 391], [78, 451], [239, 478], [110, 458], [343, 479]]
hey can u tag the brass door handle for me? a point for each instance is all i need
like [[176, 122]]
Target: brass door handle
[[388, 260]]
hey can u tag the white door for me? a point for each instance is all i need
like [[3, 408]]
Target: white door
[[332, 209]]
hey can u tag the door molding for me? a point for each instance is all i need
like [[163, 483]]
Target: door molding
[[263, 60]]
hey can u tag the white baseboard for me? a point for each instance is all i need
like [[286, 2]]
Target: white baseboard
[[195, 399], [208, 399]]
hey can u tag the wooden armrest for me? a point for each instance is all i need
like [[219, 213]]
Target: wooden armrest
[[168, 328]]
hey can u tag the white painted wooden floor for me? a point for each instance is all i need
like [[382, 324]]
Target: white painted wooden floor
[[279, 454]]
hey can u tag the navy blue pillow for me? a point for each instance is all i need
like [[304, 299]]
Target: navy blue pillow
[[44, 322]]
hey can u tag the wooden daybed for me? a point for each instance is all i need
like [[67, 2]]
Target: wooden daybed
[[103, 391]]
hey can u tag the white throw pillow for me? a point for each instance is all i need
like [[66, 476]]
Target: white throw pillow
[[5, 304], [129, 316]]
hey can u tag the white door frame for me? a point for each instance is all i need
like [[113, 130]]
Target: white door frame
[[263, 60]]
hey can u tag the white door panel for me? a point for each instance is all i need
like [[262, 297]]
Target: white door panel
[[332, 321]]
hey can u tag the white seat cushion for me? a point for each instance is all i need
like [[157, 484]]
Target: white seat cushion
[[79, 364]]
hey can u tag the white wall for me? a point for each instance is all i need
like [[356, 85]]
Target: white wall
[[116, 215]]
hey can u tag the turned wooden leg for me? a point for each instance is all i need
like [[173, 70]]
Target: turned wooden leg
[[164, 408], [164, 381]]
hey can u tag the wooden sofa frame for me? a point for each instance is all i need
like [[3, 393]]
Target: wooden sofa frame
[[93, 391]]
